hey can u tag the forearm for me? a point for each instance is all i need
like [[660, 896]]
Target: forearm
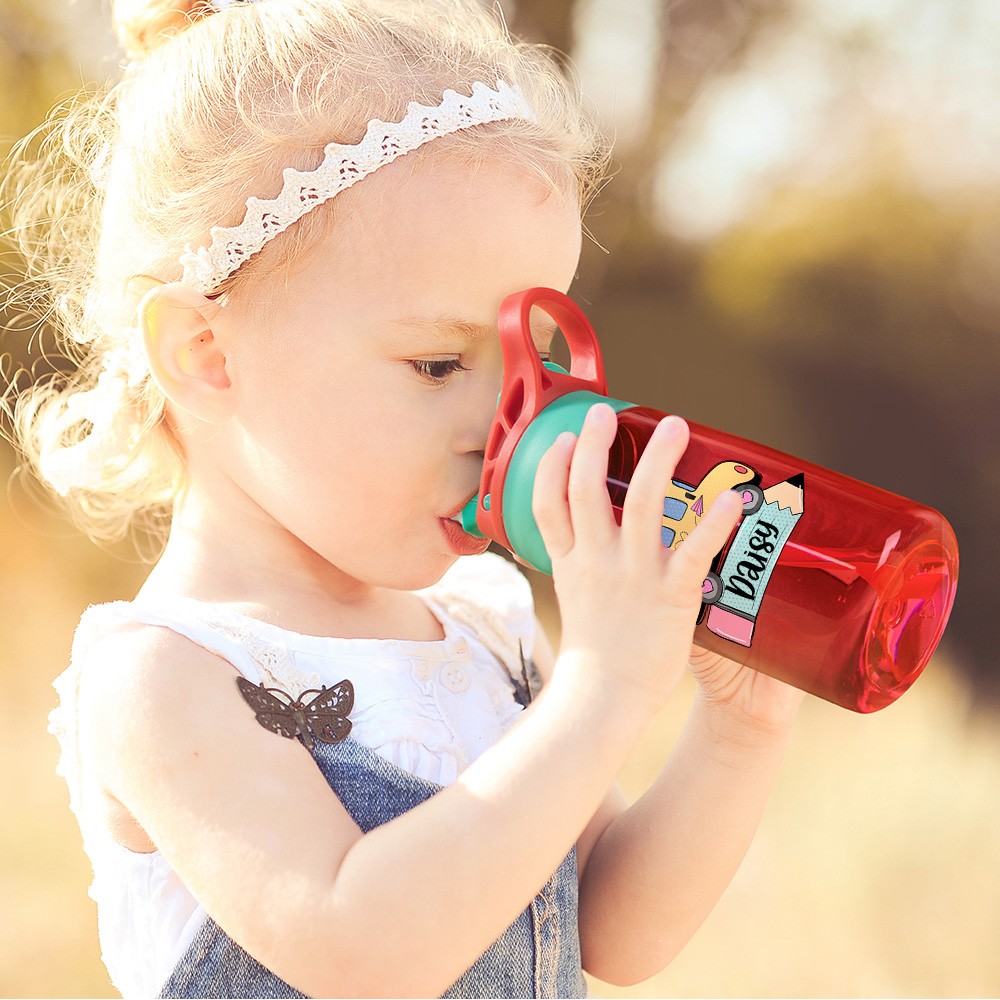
[[416, 901], [665, 862]]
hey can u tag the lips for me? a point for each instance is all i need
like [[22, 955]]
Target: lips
[[459, 540]]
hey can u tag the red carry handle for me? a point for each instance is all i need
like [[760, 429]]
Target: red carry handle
[[528, 387]]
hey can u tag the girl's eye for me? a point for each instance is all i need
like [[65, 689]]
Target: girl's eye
[[438, 371]]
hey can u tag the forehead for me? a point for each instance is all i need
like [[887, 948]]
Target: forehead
[[449, 193], [439, 235]]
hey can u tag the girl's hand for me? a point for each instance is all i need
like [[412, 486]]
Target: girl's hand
[[747, 698], [628, 604]]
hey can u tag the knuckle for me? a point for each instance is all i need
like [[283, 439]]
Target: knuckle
[[689, 564], [543, 508], [544, 503], [577, 491], [642, 506]]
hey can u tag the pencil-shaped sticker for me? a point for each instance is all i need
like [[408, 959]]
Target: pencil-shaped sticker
[[751, 559]]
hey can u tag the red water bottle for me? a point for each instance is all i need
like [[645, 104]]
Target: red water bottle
[[828, 583]]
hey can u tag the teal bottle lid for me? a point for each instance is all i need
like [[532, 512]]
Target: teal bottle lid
[[566, 413]]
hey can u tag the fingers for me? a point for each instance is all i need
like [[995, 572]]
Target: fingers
[[570, 495], [689, 564], [549, 496], [589, 503], [642, 511], [570, 501]]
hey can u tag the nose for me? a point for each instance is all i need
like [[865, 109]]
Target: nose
[[482, 407]]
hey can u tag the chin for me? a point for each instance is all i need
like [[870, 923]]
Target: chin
[[419, 575]]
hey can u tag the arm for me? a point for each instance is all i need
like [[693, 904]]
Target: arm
[[666, 861], [250, 826], [652, 873]]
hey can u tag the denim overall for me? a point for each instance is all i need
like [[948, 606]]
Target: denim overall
[[537, 956]]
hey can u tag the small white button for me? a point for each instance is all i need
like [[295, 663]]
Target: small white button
[[455, 678], [421, 671]]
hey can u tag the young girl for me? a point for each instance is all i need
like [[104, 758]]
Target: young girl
[[303, 216]]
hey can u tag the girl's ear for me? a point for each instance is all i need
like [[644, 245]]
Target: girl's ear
[[187, 356]]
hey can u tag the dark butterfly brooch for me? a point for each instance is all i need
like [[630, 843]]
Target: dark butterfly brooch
[[324, 717]]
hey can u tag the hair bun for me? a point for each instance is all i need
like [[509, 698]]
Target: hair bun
[[142, 25]]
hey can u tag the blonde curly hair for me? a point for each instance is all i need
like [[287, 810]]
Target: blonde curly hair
[[217, 100]]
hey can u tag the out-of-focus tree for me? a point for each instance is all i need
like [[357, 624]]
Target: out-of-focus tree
[[805, 202], [47, 56], [803, 238]]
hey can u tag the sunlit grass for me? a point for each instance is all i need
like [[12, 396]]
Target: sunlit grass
[[876, 871]]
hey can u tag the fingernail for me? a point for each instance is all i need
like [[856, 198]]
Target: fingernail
[[598, 413], [671, 426]]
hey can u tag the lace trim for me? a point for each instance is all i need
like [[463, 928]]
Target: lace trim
[[489, 628], [343, 166], [274, 661]]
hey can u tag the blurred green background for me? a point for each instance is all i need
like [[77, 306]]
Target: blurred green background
[[801, 244]]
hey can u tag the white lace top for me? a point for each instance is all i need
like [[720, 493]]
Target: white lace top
[[429, 707]]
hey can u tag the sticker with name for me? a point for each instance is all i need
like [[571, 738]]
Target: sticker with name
[[735, 593]]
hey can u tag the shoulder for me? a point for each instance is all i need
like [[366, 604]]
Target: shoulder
[[114, 646], [170, 737], [238, 811], [143, 692], [116, 653]]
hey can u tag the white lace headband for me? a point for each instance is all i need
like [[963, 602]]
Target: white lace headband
[[344, 165]]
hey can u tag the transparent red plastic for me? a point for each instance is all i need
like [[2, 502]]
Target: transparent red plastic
[[860, 592], [833, 585]]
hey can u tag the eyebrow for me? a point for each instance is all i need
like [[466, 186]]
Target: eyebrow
[[443, 326]]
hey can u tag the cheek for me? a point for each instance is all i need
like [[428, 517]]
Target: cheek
[[359, 430], [333, 449]]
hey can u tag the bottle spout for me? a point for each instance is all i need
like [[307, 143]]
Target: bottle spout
[[468, 518]]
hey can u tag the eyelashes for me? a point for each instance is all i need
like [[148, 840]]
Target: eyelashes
[[438, 372]]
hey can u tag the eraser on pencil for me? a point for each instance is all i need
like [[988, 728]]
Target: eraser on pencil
[[730, 626]]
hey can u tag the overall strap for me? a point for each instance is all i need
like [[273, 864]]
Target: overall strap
[[538, 955]]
